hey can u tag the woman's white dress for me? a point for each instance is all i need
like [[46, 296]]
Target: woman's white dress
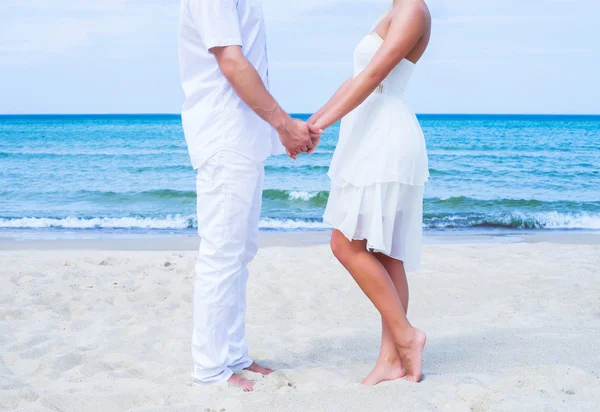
[[380, 166]]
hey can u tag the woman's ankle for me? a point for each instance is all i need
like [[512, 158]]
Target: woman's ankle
[[389, 356], [406, 338]]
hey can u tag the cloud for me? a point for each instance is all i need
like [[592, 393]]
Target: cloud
[[280, 11], [54, 48], [34, 28]]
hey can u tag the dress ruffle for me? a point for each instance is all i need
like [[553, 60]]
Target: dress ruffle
[[388, 215]]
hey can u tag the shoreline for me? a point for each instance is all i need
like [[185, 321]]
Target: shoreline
[[170, 242]]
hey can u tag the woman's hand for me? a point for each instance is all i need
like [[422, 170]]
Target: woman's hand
[[315, 135]]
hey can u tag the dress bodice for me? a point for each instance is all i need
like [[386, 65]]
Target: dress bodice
[[397, 81]]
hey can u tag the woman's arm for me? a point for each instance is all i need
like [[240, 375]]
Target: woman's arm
[[406, 29], [338, 94], [315, 131]]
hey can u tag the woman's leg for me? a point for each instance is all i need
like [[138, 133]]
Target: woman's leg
[[372, 277], [395, 268], [389, 365]]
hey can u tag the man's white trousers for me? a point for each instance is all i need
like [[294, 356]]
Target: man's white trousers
[[229, 187]]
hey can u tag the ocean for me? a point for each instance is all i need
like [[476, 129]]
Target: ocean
[[115, 174]]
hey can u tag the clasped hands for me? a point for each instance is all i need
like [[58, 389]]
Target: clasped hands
[[299, 137]]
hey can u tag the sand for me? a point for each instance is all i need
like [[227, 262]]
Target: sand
[[511, 327]]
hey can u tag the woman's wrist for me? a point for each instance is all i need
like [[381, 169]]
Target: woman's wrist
[[321, 123]]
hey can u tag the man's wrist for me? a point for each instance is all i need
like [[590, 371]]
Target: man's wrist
[[280, 120]]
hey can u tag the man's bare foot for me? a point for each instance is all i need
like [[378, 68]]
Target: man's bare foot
[[412, 356], [245, 384], [256, 368], [385, 371]]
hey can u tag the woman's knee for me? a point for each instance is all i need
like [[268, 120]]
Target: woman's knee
[[340, 246]]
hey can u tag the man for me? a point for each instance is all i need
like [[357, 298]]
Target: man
[[229, 119]]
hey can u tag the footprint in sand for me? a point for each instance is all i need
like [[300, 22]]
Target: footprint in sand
[[275, 382], [56, 365]]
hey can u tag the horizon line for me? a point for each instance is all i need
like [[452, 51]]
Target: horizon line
[[300, 114]]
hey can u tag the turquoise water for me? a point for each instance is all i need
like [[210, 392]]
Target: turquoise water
[[132, 174]]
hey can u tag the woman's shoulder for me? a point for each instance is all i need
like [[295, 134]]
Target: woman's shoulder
[[414, 9]]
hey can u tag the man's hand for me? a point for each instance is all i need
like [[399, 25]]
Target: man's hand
[[295, 136], [249, 86]]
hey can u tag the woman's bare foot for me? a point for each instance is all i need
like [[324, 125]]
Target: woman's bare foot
[[385, 371], [256, 368], [245, 384], [412, 356]]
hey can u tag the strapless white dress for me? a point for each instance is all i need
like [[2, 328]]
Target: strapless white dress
[[380, 166]]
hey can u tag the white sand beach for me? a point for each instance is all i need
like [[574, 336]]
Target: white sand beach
[[511, 327]]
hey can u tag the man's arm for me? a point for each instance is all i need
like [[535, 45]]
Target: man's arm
[[218, 24], [248, 85]]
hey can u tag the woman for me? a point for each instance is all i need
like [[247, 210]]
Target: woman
[[377, 176]]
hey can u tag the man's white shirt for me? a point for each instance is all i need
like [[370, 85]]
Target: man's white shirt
[[214, 117]]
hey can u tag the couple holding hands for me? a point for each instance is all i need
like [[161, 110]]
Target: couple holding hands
[[232, 124]]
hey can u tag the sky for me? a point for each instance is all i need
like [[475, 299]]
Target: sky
[[120, 56]]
